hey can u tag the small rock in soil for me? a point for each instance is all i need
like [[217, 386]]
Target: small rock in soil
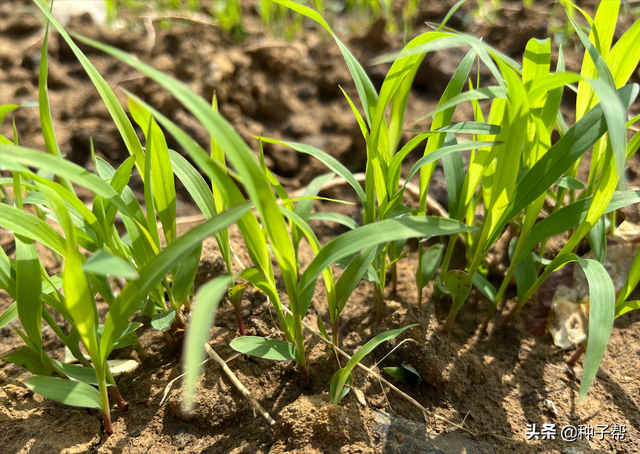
[[394, 435]]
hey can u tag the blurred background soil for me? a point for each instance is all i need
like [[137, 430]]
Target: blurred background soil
[[291, 91]]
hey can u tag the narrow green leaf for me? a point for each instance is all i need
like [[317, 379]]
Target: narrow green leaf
[[598, 240], [558, 159], [68, 392], [573, 215], [194, 183], [304, 207], [29, 289], [627, 306], [484, 287], [450, 13], [200, 323], [344, 377], [62, 168], [162, 184], [338, 385], [27, 358], [624, 56], [104, 263], [153, 272], [185, 276], [369, 235], [322, 329], [370, 273], [471, 95], [454, 177], [459, 284], [265, 348], [602, 299], [431, 260], [30, 226], [79, 373], [440, 119], [9, 314], [8, 108], [115, 109], [404, 374], [525, 271], [238, 153], [368, 95], [332, 163], [335, 217], [569, 183], [358, 268]]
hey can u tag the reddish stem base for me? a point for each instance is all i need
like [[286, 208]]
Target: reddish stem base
[[106, 420], [576, 355], [115, 393], [238, 309]]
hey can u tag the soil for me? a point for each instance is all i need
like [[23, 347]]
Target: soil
[[493, 384]]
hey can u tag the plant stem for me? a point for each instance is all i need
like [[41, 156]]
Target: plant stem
[[577, 354], [171, 298], [187, 303], [104, 403], [379, 288], [335, 334], [379, 302], [394, 268], [556, 207], [115, 392], [419, 274], [138, 346], [394, 278], [475, 264], [447, 256], [302, 358], [526, 296], [238, 311], [181, 322], [499, 303], [450, 318]]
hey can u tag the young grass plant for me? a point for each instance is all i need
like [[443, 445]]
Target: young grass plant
[[256, 181], [517, 170], [513, 166]]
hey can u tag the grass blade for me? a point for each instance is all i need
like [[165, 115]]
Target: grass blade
[[32, 227], [265, 348], [602, 298], [369, 235], [104, 263], [200, 324], [156, 270], [345, 373], [68, 392], [115, 109]]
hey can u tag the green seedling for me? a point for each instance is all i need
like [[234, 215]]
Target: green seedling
[[382, 196], [513, 166], [458, 284], [341, 381], [228, 13], [140, 261], [235, 296], [405, 374], [510, 176], [427, 267]]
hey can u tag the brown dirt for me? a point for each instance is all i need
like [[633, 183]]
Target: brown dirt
[[497, 384]]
